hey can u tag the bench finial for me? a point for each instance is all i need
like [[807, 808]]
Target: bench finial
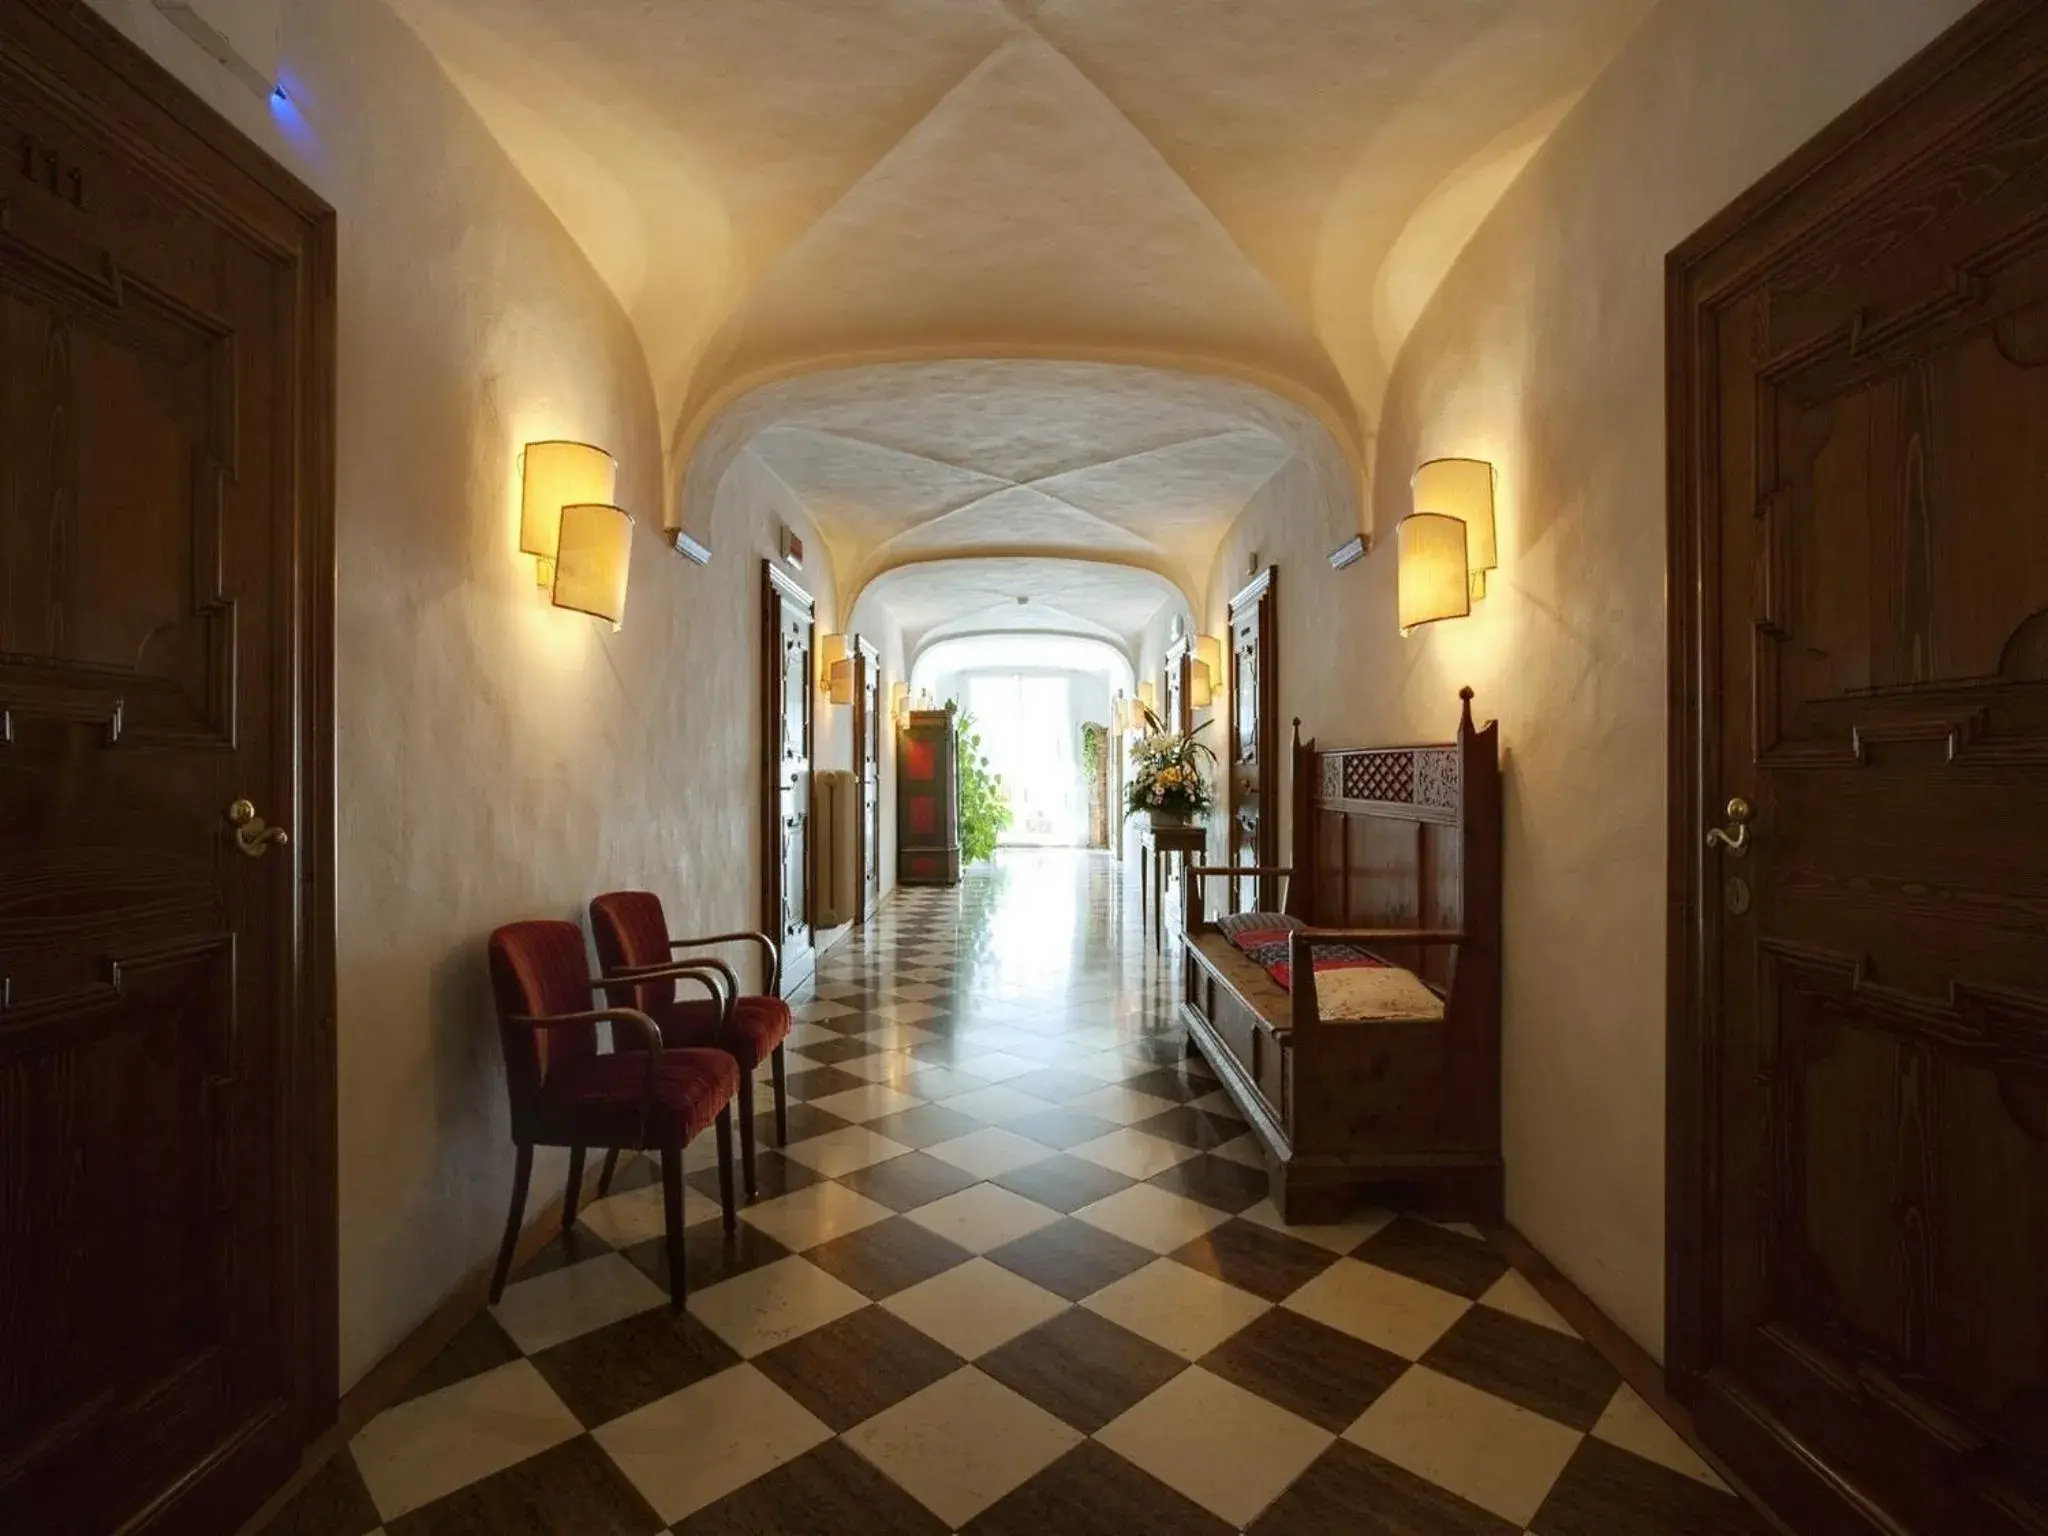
[[1465, 721], [1297, 733]]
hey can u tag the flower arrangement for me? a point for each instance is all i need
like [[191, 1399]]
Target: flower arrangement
[[1167, 778]]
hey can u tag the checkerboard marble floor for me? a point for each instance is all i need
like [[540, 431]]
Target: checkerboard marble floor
[[1015, 1272]]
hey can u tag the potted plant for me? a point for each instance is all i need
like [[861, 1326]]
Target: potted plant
[[1168, 783]]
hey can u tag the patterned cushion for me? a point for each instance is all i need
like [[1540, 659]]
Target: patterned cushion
[[1374, 992], [1239, 927]]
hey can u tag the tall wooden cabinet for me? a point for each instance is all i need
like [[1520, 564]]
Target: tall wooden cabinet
[[928, 799]]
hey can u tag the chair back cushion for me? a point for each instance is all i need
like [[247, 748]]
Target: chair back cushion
[[632, 930], [539, 967]]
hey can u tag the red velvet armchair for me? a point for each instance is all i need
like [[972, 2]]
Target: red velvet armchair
[[633, 942], [567, 1093]]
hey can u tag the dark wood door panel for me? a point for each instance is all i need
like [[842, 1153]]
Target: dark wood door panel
[[1859, 1196], [166, 1073]]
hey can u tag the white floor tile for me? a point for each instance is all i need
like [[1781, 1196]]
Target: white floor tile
[[1177, 1308], [975, 1307], [1229, 1451], [1483, 1448], [1152, 1217], [815, 1214], [771, 1305], [983, 1217], [1376, 1305], [432, 1445], [572, 1300], [692, 1447], [962, 1443]]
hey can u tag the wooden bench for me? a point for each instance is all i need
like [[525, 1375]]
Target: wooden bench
[[1395, 850]]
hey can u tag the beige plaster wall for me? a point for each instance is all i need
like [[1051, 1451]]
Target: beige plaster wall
[[498, 758], [1543, 352]]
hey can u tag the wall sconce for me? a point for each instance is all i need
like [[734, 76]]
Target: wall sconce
[[1435, 582], [1205, 672], [835, 670], [899, 701], [594, 552], [1148, 699], [554, 475], [1462, 488]]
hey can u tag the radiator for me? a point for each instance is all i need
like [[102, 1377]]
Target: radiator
[[837, 819]]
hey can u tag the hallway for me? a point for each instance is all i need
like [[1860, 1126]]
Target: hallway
[[1014, 1273]]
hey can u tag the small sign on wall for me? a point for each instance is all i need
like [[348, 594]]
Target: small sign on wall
[[793, 549]]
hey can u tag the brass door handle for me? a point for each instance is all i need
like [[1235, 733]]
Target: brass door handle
[[1735, 836], [252, 836]]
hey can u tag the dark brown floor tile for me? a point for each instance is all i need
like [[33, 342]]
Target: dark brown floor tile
[[805, 1121], [887, 1257], [710, 1254], [1035, 1047], [1308, 1368], [925, 1125], [832, 1052], [1092, 1491], [1547, 1372], [1197, 1128], [1056, 1085], [1351, 1492], [571, 1490], [1081, 1368], [626, 1365], [636, 1170], [481, 1346], [1256, 1259], [1423, 1251], [1064, 1183], [776, 1174], [1172, 1083], [1059, 1128], [562, 1250], [904, 1183], [334, 1503], [850, 1370], [830, 1491], [818, 1082], [1220, 1182], [1605, 1490], [1070, 1258], [1167, 1049]]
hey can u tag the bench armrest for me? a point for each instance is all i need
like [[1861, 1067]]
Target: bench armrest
[[1202, 871], [1382, 935]]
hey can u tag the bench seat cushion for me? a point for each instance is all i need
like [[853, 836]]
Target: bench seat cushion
[[1345, 994]]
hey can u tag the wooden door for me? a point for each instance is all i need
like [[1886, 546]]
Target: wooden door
[[1859, 1058], [867, 736], [786, 671], [1252, 757], [167, 1247]]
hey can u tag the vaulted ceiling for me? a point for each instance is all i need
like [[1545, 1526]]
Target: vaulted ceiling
[[1234, 211]]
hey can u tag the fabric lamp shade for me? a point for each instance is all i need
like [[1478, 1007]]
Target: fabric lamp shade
[[835, 667], [1434, 581], [1206, 672], [1148, 696], [591, 562], [554, 475], [1462, 488], [899, 700]]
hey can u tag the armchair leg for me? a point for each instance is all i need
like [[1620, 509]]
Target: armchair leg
[[522, 1175], [779, 1066], [572, 1196], [725, 1200], [611, 1166], [751, 1179], [672, 1221]]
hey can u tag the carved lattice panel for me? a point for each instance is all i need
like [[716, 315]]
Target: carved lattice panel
[[1386, 776]]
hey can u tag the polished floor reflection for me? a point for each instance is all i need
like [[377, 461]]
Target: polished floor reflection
[[1015, 1272]]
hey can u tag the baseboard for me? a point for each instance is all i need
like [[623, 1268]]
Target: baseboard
[[1630, 1360], [389, 1377]]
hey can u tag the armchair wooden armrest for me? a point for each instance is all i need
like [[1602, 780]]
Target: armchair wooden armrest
[[770, 952], [714, 979], [643, 1026]]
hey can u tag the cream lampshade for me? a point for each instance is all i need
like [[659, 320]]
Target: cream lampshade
[[595, 549], [1207, 671], [554, 475], [1462, 488], [1433, 580], [835, 667], [1148, 698], [899, 700]]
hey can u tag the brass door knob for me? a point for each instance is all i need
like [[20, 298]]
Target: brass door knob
[[1735, 836], [252, 836]]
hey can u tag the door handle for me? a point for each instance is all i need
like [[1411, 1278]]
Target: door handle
[[252, 835], [1735, 836]]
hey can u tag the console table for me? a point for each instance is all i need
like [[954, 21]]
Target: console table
[[1154, 844]]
